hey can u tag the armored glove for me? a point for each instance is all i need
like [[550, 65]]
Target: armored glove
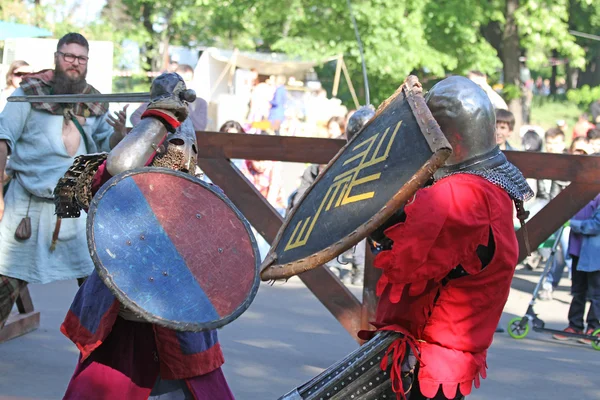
[[169, 94]]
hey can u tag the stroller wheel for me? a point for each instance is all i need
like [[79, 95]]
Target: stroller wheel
[[596, 342], [516, 328]]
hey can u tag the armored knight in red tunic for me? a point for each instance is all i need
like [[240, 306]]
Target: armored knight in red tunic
[[446, 271]]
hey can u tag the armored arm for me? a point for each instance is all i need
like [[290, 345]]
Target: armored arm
[[168, 107], [138, 148], [73, 191], [165, 113]]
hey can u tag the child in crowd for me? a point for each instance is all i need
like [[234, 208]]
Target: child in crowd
[[593, 137], [505, 123], [584, 248]]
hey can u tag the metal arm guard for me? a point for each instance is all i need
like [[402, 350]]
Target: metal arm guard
[[136, 149], [74, 190], [356, 377]]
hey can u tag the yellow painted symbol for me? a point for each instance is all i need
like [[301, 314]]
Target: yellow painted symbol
[[371, 152]]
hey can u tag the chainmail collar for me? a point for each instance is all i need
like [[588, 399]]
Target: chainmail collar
[[495, 168]]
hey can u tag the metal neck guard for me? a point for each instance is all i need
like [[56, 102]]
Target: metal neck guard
[[495, 168]]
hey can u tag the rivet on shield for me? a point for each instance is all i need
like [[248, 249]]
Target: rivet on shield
[[151, 279], [198, 216], [142, 237], [128, 243], [165, 273], [220, 250]]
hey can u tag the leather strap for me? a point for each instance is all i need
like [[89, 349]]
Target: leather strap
[[69, 114], [55, 234]]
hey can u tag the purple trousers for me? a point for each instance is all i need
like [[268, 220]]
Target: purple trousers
[[126, 366]]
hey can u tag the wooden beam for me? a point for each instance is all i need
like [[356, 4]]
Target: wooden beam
[[560, 167], [370, 299], [24, 322], [582, 171], [265, 147], [24, 302], [266, 220], [563, 167], [19, 324], [558, 211]]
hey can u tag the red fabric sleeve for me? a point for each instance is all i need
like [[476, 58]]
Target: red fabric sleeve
[[444, 225], [100, 178]]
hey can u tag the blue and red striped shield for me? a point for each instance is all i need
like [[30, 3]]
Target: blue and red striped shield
[[173, 249]]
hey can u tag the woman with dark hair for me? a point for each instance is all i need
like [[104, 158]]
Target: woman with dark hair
[[232, 127], [15, 73]]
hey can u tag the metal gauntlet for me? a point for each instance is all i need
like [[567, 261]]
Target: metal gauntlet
[[73, 192]]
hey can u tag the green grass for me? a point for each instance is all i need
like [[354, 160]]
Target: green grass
[[545, 111]]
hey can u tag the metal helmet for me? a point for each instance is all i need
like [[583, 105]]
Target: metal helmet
[[358, 120], [465, 115], [467, 118]]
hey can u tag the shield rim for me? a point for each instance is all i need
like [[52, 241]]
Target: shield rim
[[441, 149], [106, 277]]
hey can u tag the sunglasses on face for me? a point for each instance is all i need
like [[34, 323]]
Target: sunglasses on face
[[70, 58], [19, 74]]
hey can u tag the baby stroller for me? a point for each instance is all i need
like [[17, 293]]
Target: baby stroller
[[518, 327]]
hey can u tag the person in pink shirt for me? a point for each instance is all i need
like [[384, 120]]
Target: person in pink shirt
[[582, 126]]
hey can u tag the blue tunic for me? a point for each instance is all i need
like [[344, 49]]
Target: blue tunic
[[38, 159]]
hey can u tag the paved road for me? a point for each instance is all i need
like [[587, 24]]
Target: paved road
[[287, 337]]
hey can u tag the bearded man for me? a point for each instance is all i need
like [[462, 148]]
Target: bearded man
[[42, 140]]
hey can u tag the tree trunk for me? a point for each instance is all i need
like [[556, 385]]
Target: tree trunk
[[148, 53], [591, 75], [493, 33], [510, 61], [165, 39], [166, 58], [571, 76], [296, 8], [554, 72]]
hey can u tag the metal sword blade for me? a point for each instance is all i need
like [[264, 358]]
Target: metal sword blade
[[84, 98]]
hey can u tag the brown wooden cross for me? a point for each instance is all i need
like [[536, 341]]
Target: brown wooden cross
[[25, 321], [216, 148]]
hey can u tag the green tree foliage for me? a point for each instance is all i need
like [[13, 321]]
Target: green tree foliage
[[432, 38], [59, 17], [584, 16]]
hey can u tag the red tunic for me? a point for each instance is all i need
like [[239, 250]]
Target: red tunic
[[453, 323]]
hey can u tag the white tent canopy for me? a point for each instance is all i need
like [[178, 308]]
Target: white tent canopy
[[222, 77], [268, 63], [214, 74]]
